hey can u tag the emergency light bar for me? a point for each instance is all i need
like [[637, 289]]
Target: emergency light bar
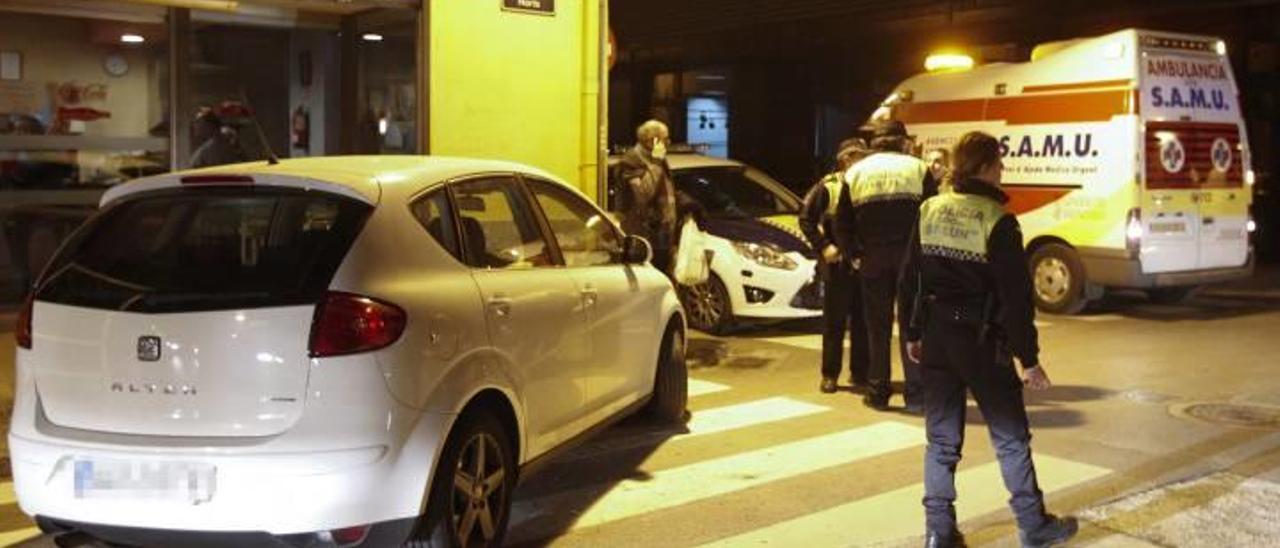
[[1182, 43]]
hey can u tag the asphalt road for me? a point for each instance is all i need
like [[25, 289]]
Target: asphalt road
[[1163, 429]]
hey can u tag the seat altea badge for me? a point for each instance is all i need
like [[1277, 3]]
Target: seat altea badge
[[149, 348], [153, 388]]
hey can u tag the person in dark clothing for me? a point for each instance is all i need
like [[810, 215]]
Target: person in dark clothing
[[842, 302], [648, 197], [873, 224], [219, 142], [973, 315]]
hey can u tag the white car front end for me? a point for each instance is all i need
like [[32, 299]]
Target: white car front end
[[766, 282]]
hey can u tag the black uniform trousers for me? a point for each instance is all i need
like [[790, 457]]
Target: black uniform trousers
[[841, 314], [881, 291], [954, 361]]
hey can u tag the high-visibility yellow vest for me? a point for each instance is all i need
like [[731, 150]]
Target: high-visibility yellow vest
[[835, 185], [886, 176], [957, 226]]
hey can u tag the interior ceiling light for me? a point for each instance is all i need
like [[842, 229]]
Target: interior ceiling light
[[371, 37], [130, 38], [948, 61]]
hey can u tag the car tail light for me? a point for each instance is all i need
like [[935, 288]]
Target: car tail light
[[216, 179], [1133, 231], [349, 535], [347, 324], [22, 331]]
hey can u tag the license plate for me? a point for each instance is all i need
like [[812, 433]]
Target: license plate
[[192, 483]]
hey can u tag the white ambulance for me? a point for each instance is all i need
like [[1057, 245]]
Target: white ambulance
[[1125, 156]]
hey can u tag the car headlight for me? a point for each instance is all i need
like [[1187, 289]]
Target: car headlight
[[765, 255]]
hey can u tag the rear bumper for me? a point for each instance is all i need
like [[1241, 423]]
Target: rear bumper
[[388, 533], [260, 492], [1115, 268]]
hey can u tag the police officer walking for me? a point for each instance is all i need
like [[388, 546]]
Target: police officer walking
[[975, 308], [874, 224], [841, 297]]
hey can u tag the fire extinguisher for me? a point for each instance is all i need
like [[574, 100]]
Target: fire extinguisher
[[300, 132]]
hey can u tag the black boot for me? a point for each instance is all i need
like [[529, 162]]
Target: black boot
[[828, 385], [1053, 532], [935, 539], [878, 396]]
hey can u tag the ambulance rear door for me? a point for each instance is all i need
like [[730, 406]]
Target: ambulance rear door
[[1194, 206]]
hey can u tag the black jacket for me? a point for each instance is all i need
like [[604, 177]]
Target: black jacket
[[648, 198], [817, 226], [878, 232], [1005, 276]]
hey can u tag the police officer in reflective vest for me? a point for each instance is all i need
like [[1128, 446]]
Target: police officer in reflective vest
[[874, 224], [841, 298], [974, 310]]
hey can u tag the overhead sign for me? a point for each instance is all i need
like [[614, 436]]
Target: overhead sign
[[543, 7]]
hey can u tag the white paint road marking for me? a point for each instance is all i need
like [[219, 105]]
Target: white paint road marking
[[721, 419], [717, 477], [898, 514], [702, 388], [9, 538], [7, 496]]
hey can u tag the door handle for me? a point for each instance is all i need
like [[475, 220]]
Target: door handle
[[501, 307], [1207, 220]]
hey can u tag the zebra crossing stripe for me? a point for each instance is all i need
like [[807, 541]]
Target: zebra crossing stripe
[[702, 388], [717, 477], [866, 521], [9, 538], [721, 419], [7, 495]]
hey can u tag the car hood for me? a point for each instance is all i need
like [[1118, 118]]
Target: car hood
[[780, 230]]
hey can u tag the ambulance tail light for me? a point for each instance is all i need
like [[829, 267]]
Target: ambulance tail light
[[1133, 231]]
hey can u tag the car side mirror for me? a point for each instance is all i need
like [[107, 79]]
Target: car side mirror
[[636, 250]]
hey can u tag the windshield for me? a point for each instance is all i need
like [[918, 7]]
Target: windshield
[[207, 249], [735, 192]]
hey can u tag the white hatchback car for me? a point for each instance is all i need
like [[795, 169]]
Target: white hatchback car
[[762, 268], [330, 352]]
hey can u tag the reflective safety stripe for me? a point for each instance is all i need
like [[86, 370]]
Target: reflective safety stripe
[[957, 226], [886, 177], [835, 184]]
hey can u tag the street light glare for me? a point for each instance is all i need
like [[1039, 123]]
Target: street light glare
[[948, 61]]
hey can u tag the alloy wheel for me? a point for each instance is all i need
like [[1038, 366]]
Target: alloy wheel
[[705, 305], [479, 491]]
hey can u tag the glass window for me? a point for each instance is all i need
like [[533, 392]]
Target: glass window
[[435, 215], [83, 103], [585, 237], [497, 225], [204, 250], [735, 192]]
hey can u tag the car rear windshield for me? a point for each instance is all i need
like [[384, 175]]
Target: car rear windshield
[[205, 249]]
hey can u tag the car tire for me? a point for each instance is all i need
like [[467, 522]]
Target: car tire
[[449, 503], [708, 307], [671, 382], [1058, 279], [1172, 295]]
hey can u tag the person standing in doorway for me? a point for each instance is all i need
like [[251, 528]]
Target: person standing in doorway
[[648, 197], [974, 314], [873, 224], [842, 294]]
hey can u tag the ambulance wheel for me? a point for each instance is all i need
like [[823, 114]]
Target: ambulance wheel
[[1172, 295], [708, 307], [1057, 276]]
